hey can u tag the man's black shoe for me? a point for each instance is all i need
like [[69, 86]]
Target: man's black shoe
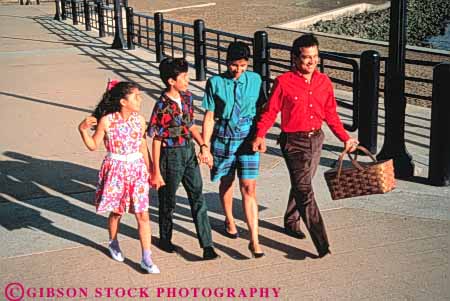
[[210, 254], [324, 253], [297, 234], [167, 246]]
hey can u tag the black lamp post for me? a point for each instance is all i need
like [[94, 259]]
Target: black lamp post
[[119, 41], [394, 100]]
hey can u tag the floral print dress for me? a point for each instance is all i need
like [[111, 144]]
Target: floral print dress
[[123, 184]]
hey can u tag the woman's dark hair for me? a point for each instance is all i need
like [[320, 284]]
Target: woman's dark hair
[[110, 101], [237, 50], [171, 68]]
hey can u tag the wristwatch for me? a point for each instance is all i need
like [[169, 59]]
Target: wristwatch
[[202, 146]]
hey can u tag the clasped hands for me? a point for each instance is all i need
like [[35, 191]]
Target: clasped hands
[[259, 145], [205, 156]]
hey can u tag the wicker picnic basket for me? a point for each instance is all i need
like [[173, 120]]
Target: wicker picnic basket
[[360, 178]]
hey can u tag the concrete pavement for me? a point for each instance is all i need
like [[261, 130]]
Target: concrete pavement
[[392, 246]]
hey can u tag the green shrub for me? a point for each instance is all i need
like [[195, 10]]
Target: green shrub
[[424, 19]]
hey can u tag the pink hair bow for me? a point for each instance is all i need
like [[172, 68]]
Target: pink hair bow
[[111, 84]]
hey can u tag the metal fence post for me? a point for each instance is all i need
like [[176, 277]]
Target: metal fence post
[[101, 20], [119, 42], [199, 50], [261, 59], [139, 33], [58, 11], [130, 28], [159, 36], [87, 15], [63, 10], [368, 100], [74, 12], [439, 159], [394, 96]]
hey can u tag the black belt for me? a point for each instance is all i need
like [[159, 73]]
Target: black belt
[[305, 134]]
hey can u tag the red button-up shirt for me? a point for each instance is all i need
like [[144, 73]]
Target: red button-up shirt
[[304, 106]]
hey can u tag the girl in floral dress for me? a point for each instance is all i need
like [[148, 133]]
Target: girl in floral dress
[[123, 184]]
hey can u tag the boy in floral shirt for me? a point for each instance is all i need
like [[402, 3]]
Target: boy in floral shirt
[[172, 129]]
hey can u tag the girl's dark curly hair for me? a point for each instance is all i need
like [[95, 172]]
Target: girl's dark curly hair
[[110, 102]]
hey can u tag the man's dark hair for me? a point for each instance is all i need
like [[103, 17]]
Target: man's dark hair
[[237, 51], [306, 40], [171, 68]]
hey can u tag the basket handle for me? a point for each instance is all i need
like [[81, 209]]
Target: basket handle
[[353, 160]]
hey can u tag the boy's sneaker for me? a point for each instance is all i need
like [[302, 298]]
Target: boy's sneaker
[[151, 269], [210, 254], [116, 253]]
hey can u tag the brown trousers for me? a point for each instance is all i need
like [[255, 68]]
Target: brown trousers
[[292, 215], [302, 156]]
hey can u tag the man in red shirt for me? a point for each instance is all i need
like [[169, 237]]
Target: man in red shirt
[[305, 98]]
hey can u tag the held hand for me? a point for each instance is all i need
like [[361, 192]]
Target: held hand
[[204, 156], [87, 123], [351, 144], [259, 145], [210, 161], [157, 181]]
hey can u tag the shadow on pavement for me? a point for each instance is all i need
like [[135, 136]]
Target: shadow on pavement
[[126, 65], [183, 213], [30, 185], [23, 97]]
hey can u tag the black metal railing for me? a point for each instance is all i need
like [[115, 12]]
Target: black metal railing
[[79, 8], [216, 43], [144, 31], [93, 9], [178, 39], [100, 14], [423, 79], [108, 12], [207, 47]]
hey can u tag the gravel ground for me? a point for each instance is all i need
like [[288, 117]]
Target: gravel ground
[[247, 17]]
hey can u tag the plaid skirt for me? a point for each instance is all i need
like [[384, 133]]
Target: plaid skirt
[[232, 151]]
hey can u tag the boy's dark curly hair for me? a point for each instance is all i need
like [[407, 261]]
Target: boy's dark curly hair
[[171, 68]]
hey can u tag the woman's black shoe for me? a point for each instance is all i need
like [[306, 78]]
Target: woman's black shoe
[[228, 234], [254, 254]]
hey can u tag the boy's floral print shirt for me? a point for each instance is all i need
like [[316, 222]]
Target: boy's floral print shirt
[[170, 124]]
